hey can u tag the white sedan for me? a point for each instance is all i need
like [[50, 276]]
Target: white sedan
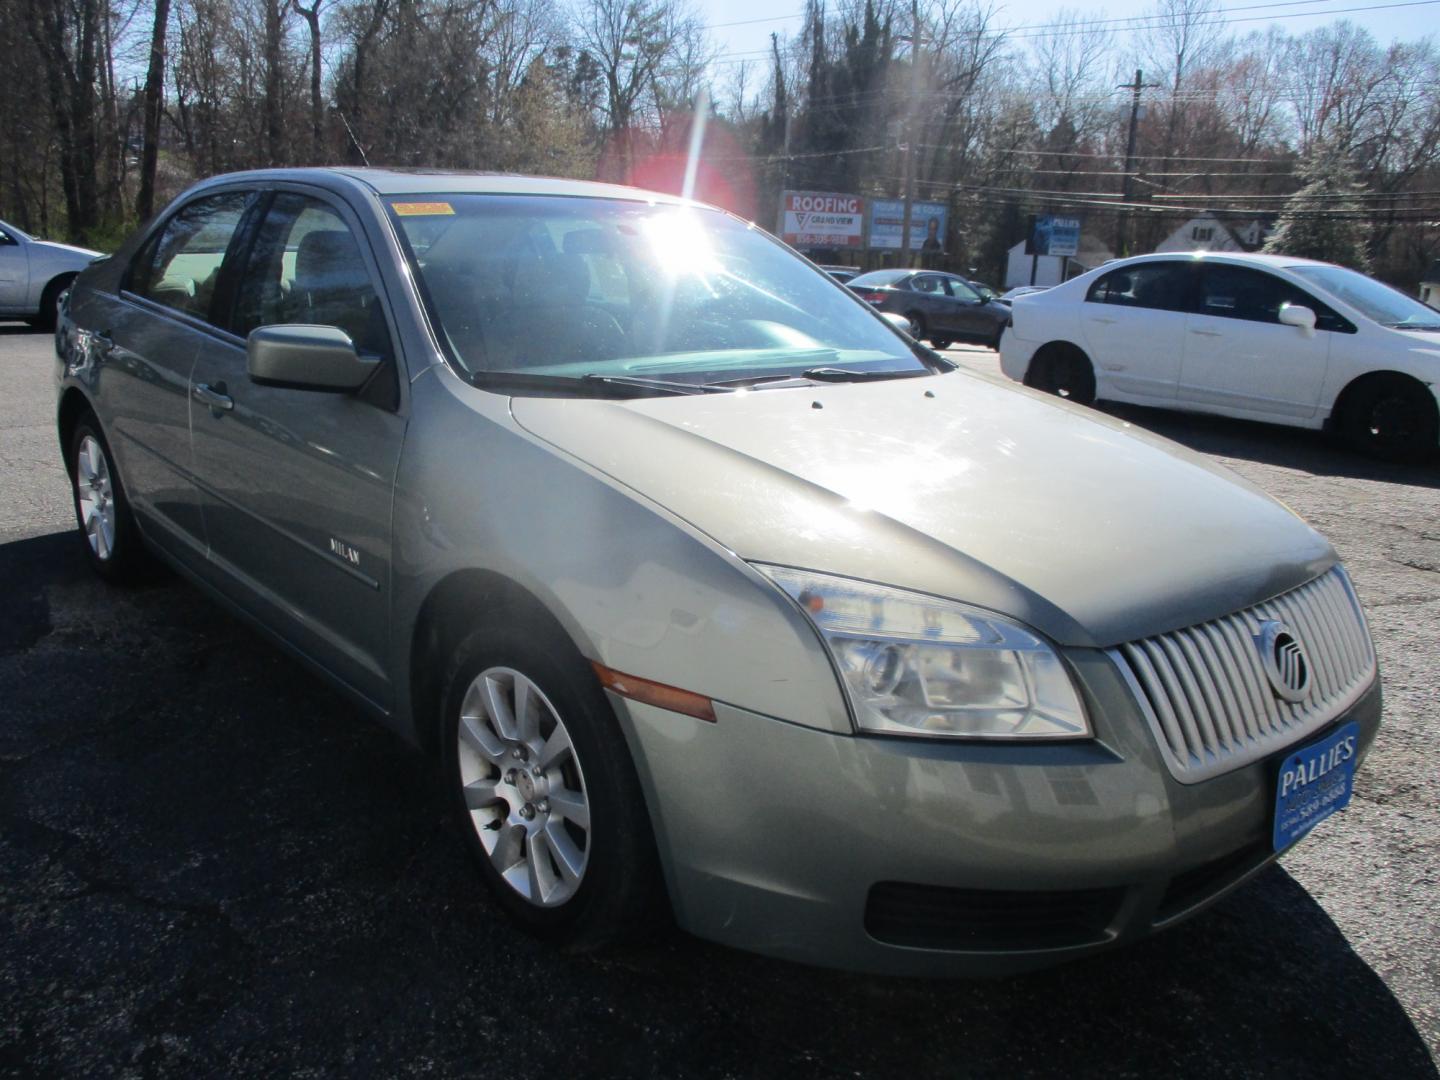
[[1260, 337], [34, 273]]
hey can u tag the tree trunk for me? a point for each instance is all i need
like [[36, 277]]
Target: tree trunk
[[274, 126], [154, 99]]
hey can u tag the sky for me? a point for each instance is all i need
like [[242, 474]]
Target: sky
[[1386, 19]]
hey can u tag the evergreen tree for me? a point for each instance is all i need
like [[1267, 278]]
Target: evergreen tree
[[1325, 218]]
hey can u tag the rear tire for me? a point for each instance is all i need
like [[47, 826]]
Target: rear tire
[[1065, 371], [941, 343], [917, 325], [1391, 417], [107, 526], [543, 787]]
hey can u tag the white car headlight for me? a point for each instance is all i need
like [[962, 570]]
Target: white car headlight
[[915, 665]]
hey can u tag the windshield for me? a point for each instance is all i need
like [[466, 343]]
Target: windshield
[[559, 294], [1387, 306]]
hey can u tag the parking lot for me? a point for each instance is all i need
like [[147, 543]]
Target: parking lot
[[210, 864]]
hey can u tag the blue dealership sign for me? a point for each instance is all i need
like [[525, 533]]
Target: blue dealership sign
[[1053, 235]]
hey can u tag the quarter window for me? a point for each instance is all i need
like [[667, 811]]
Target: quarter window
[[181, 266], [1160, 285]]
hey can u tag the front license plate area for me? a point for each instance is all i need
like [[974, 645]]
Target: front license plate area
[[1314, 782]]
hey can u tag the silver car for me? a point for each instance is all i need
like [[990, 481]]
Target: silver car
[[712, 591], [34, 273]]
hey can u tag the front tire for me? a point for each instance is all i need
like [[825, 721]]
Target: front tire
[[1065, 371], [543, 787], [102, 510], [1390, 417], [49, 313]]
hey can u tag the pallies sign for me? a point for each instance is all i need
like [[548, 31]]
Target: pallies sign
[[822, 219]]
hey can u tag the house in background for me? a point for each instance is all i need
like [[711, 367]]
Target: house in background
[[1430, 286], [1208, 233]]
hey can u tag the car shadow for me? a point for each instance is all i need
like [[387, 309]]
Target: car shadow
[[1271, 444], [17, 329], [200, 839], [1263, 978]]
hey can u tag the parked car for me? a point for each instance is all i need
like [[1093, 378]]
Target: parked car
[[940, 308], [705, 584], [1262, 337], [33, 274], [842, 274]]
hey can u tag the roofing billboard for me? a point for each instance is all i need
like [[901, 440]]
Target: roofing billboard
[[822, 219]]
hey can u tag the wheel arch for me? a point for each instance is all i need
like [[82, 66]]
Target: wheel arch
[[453, 607], [1352, 389], [73, 405], [1056, 347], [48, 295]]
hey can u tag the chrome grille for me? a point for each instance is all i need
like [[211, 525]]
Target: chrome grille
[[1205, 692]]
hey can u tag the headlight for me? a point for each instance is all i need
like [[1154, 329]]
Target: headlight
[[915, 665]]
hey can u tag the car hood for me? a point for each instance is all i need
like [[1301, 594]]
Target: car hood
[[1425, 341], [68, 249], [1086, 528]]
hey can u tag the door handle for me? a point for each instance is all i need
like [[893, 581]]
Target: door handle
[[216, 399], [1207, 333], [1097, 318]]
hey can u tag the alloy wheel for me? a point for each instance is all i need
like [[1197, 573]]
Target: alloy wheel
[[95, 496], [523, 786]]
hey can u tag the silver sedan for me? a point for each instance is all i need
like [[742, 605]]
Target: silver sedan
[[34, 273], [712, 591]]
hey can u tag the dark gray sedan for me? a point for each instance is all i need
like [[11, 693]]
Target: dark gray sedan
[[940, 308], [710, 590]]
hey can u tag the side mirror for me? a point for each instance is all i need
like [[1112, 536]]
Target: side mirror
[[899, 322], [298, 357], [1298, 316]]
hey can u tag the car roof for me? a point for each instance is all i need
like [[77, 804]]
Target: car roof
[[880, 277], [438, 181], [1243, 257]]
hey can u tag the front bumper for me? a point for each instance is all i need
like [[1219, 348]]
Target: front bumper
[[926, 858]]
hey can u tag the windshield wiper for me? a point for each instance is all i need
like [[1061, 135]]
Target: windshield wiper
[[665, 386], [819, 374], [1427, 327], [834, 374]]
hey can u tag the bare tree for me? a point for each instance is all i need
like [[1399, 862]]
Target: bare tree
[[311, 15], [153, 104]]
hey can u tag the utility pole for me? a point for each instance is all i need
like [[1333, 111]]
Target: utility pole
[[1127, 188], [910, 132]]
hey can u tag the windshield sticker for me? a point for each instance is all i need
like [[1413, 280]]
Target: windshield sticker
[[423, 209]]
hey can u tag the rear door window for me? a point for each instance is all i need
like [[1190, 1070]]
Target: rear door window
[[1163, 286], [180, 267]]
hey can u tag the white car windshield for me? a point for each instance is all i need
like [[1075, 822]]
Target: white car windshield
[[562, 293], [1373, 299]]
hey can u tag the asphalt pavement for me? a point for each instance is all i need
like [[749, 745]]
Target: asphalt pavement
[[210, 865]]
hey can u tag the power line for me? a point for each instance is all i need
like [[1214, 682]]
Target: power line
[[1038, 31]]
